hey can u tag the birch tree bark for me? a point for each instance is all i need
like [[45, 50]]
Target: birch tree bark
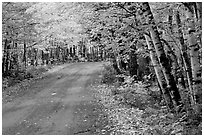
[[184, 55], [159, 73], [163, 60], [194, 57]]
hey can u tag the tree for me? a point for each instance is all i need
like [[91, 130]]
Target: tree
[[184, 55], [16, 29], [159, 73], [163, 60], [194, 54]]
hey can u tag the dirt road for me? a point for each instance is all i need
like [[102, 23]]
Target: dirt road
[[60, 103]]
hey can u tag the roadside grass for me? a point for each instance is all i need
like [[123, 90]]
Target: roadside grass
[[108, 75], [19, 80], [21, 74], [135, 108]]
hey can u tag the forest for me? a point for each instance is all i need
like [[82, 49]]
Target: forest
[[156, 46]]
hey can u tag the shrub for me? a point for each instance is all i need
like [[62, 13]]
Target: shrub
[[17, 75], [108, 75], [4, 83], [155, 95]]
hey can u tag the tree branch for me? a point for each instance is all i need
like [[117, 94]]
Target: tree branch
[[119, 5]]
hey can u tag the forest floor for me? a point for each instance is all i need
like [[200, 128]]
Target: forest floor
[[87, 99], [59, 102], [137, 108]]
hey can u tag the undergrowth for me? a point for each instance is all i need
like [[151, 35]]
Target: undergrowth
[[18, 75], [136, 108], [14, 84], [109, 75]]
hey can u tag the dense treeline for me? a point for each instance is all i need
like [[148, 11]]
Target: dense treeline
[[163, 39], [25, 43], [156, 41]]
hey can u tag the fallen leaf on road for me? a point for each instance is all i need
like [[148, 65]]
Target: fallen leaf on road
[[53, 94]]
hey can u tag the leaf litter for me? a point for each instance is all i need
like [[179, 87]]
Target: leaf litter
[[131, 112]]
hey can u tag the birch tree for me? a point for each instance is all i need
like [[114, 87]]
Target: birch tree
[[163, 60], [159, 73], [194, 55]]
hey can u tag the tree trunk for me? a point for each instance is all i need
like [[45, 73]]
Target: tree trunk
[[93, 53], [15, 56], [173, 59], [133, 65], [42, 57], [170, 20], [97, 53], [36, 56], [115, 64], [159, 73], [101, 53], [84, 51], [71, 54], [32, 51], [184, 56], [194, 54], [163, 60], [67, 55], [4, 65], [198, 10], [24, 55], [8, 52], [74, 50]]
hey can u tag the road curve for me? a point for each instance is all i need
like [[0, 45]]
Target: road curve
[[61, 103]]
